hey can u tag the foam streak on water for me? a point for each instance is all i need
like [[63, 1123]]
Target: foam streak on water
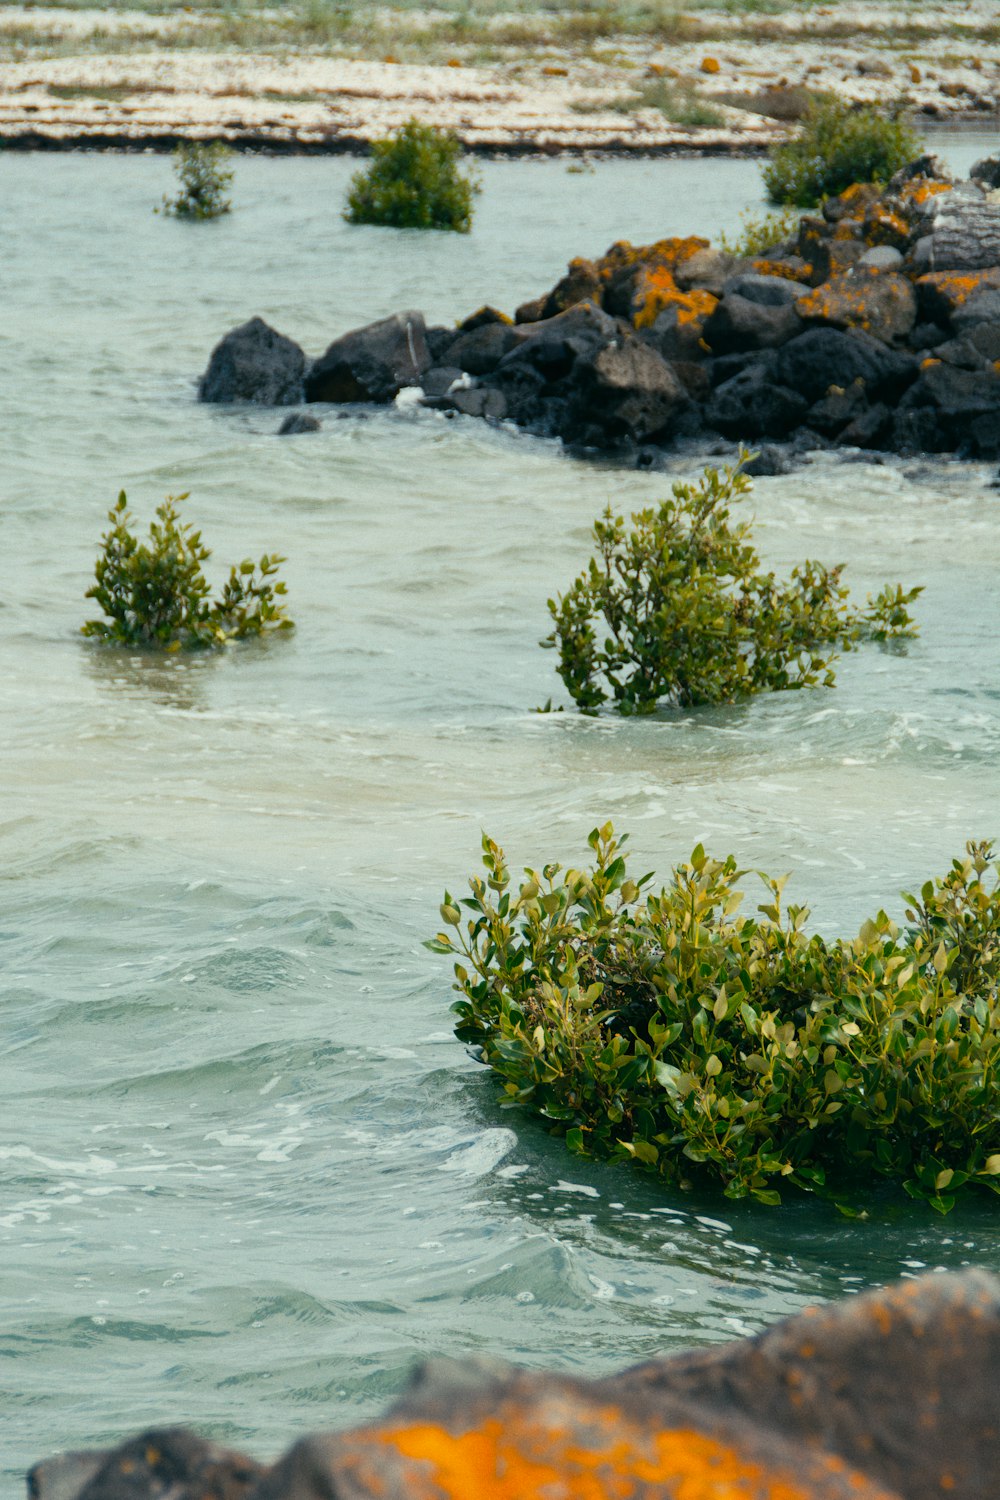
[[246, 1174]]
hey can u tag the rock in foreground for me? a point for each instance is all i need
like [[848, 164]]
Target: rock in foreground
[[890, 1396]]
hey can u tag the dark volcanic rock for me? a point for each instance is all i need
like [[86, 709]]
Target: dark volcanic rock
[[767, 291], [298, 422], [739, 324], [482, 348], [372, 363], [439, 379], [892, 1395], [624, 390], [948, 408], [254, 363], [823, 357], [752, 405]]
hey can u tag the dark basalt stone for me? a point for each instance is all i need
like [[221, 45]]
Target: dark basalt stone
[[752, 405], [298, 422], [373, 363], [481, 349], [738, 324], [823, 357], [625, 390], [254, 363]]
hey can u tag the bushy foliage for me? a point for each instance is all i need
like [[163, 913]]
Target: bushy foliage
[[710, 1045], [414, 181], [758, 233], [156, 595], [835, 147], [204, 179], [675, 609]]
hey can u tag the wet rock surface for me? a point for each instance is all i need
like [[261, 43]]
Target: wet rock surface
[[254, 363], [830, 337], [894, 1395]]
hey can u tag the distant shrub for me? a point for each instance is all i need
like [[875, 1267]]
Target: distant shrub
[[204, 178], [707, 1045], [676, 610], [835, 147], [155, 594], [414, 181], [678, 102], [760, 232]]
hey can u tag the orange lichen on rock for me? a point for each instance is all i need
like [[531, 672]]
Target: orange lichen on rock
[[530, 1459], [710, 65], [883, 227], [919, 189], [800, 273], [654, 289], [669, 253], [941, 292]]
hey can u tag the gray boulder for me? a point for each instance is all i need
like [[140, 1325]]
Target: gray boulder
[[739, 324], [254, 363], [823, 357], [481, 348], [373, 363], [766, 291], [753, 405], [298, 422], [624, 391]]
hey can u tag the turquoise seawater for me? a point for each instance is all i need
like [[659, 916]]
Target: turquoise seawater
[[247, 1175]]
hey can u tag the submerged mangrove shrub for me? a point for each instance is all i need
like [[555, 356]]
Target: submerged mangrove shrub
[[204, 179], [676, 609], [835, 147], [709, 1045], [414, 181], [155, 594]]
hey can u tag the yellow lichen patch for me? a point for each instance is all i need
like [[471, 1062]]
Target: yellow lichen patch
[[919, 189], [883, 227], [915, 73], [765, 267], [710, 65], [607, 1460], [655, 290], [844, 230], [929, 362], [669, 254], [950, 289]]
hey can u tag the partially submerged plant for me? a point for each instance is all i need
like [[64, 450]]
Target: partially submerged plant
[[837, 146], [708, 1045], [156, 595], [204, 179], [675, 609], [414, 181]]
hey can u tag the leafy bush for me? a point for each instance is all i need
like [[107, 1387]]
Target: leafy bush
[[689, 618], [709, 1045], [760, 232], [413, 182], [156, 594], [838, 146], [204, 178]]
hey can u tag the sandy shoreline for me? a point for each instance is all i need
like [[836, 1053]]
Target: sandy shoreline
[[119, 79]]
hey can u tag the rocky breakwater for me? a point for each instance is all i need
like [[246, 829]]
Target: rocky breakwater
[[876, 325], [894, 1395]]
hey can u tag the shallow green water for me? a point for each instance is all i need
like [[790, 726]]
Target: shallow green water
[[246, 1174]]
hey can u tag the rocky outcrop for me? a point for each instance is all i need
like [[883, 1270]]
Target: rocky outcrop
[[830, 337], [254, 363], [894, 1395], [373, 363]]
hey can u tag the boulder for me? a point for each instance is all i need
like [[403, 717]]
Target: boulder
[[582, 283], [439, 379], [882, 258], [373, 363], [299, 421], [254, 363], [708, 270], [624, 390], [482, 348], [987, 171], [823, 357], [765, 291], [833, 257], [476, 401], [871, 428], [891, 1395], [942, 294], [553, 346], [439, 340], [881, 303], [981, 311], [752, 405], [838, 408], [739, 324], [964, 405], [482, 317], [965, 231]]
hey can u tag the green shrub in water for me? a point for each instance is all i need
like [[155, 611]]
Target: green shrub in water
[[835, 147], [676, 609], [204, 179], [414, 181], [709, 1045], [155, 594]]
